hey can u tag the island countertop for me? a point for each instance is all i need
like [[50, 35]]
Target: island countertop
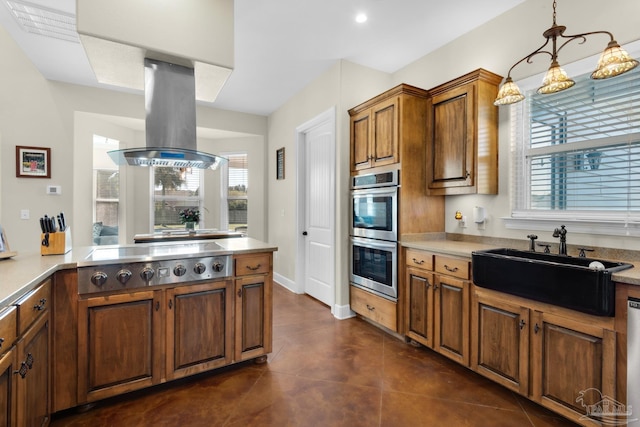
[[23, 272]]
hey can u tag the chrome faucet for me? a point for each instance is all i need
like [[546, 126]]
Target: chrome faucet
[[562, 233]]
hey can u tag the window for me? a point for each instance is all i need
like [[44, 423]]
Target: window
[[175, 189], [234, 192], [106, 192], [577, 154]]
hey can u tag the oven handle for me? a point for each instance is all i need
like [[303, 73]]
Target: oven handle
[[363, 192], [373, 244]]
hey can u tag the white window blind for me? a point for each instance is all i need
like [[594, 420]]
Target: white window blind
[[234, 192], [577, 153]]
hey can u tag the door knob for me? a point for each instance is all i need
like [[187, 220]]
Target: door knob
[[304, 233]]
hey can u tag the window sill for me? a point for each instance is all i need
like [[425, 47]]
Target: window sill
[[587, 226]]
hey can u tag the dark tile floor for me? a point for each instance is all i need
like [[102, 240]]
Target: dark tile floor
[[324, 372]]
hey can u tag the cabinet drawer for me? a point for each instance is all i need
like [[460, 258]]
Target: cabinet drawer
[[8, 328], [32, 305], [456, 267], [252, 264], [419, 259], [373, 307]]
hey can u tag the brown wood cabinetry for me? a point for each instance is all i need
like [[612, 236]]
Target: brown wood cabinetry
[[32, 386], [437, 300], [253, 307], [198, 318], [8, 367], [120, 343], [374, 134], [549, 354], [462, 143], [377, 309]]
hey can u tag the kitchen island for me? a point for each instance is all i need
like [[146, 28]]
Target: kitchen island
[[147, 314]]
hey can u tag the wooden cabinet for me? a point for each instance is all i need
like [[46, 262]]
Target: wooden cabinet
[[120, 343], [462, 143], [253, 306], [374, 135], [198, 319], [32, 387], [562, 359], [377, 309], [8, 366], [437, 300]]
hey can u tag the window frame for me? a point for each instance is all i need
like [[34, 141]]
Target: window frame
[[152, 196], [613, 223], [224, 190]]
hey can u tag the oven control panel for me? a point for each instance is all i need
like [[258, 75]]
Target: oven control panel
[[113, 277]]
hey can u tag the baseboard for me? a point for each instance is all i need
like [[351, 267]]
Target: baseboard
[[285, 283], [343, 312]]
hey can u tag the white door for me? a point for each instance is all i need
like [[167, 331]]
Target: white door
[[316, 142]]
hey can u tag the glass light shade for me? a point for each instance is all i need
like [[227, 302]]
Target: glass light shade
[[613, 62], [509, 93], [555, 80]]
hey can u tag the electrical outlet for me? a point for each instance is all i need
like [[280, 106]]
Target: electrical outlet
[[24, 214]]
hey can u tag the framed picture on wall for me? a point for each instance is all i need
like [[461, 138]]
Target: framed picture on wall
[[33, 162], [280, 163]]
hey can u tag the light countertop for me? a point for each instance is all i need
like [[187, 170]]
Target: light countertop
[[23, 272]]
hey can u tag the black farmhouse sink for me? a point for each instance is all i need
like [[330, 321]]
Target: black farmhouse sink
[[570, 282]]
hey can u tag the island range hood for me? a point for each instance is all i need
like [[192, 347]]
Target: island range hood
[[170, 124]]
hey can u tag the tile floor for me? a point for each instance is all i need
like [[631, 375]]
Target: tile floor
[[324, 372]]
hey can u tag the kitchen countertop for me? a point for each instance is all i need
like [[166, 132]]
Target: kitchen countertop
[[20, 274], [464, 249]]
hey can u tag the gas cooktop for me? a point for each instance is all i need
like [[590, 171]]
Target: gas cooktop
[[150, 252]]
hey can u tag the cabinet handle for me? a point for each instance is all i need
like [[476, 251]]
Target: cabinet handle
[[40, 307], [254, 268], [157, 305], [451, 269], [22, 371], [29, 361], [370, 307], [467, 174], [522, 323], [239, 293], [170, 304], [536, 328], [419, 262], [1, 342]]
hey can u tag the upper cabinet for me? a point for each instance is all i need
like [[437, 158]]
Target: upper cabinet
[[377, 131], [462, 140]]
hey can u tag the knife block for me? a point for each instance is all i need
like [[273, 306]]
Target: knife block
[[59, 243]]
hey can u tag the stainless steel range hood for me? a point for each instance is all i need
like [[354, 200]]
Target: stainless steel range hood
[[170, 104]]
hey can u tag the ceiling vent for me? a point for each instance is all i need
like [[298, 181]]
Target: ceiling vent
[[42, 21]]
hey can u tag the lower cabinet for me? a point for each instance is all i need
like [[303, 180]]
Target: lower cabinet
[[562, 359], [377, 309], [253, 317]]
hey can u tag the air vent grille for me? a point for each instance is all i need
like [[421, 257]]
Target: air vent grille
[[43, 21]]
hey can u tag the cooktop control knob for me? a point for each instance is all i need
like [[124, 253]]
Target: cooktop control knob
[[179, 270], [99, 278], [218, 266], [199, 268], [147, 274], [123, 276]]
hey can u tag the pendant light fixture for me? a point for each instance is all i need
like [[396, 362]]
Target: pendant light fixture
[[613, 62]]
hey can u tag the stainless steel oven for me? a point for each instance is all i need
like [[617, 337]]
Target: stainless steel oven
[[374, 266], [374, 206]]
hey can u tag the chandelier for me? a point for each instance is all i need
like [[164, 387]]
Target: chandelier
[[613, 62]]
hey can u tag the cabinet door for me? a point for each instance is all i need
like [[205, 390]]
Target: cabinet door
[[119, 344], [451, 326], [384, 141], [360, 135], [420, 306], [500, 342], [199, 328], [450, 162], [572, 366], [8, 379], [253, 317], [32, 385]]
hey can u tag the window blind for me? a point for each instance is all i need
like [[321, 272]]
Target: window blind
[[578, 151]]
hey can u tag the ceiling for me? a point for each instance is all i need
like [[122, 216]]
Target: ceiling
[[283, 45]]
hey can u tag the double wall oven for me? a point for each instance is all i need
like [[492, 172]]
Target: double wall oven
[[374, 233]]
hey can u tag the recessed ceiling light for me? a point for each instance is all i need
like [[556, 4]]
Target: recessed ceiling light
[[361, 17]]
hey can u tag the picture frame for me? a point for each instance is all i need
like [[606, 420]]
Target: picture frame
[[33, 162], [280, 163]]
